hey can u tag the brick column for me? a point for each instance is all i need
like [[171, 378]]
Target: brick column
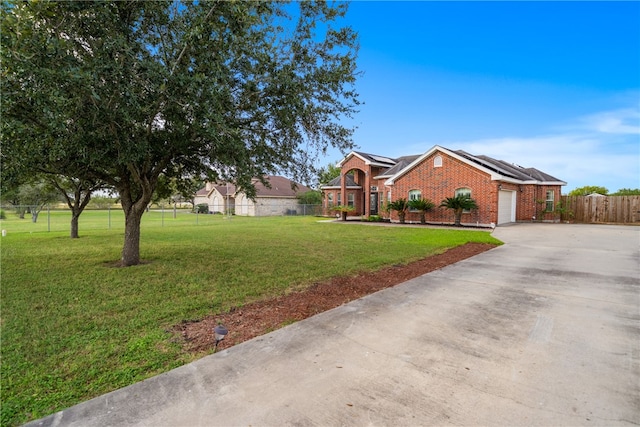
[[343, 189], [367, 194]]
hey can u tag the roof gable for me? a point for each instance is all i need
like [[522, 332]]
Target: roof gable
[[225, 189]]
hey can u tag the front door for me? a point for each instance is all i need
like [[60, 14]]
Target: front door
[[373, 204]]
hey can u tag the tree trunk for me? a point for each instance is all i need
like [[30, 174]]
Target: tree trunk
[[131, 248], [75, 216], [457, 217], [134, 208], [423, 220], [401, 216], [81, 196]]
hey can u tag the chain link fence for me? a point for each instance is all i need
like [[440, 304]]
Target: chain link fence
[[30, 219]]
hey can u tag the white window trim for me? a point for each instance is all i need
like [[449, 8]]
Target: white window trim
[[412, 193], [463, 190], [437, 161], [550, 200], [351, 199]]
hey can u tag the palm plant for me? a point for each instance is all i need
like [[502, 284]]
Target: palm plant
[[459, 203], [422, 205], [344, 210], [401, 206]]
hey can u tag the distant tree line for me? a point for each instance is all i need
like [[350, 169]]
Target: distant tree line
[[591, 189]]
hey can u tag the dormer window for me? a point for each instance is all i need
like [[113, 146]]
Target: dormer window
[[437, 162]]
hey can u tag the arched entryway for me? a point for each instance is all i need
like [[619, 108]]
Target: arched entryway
[[357, 196]]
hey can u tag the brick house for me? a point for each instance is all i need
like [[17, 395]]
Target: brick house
[[504, 192]]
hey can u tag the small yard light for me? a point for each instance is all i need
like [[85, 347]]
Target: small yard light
[[219, 333]]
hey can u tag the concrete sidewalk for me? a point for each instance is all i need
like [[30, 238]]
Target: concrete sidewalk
[[544, 330]]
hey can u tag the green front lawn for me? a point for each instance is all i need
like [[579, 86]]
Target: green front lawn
[[74, 328]]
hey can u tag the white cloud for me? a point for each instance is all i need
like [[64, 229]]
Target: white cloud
[[623, 121], [600, 149], [578, 159]]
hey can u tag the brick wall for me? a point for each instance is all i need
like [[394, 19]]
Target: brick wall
[[438, 183], [532, 202]]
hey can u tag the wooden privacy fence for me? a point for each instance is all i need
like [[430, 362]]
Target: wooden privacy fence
[[602, 209]]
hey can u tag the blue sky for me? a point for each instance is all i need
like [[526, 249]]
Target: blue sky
[[550, 85]]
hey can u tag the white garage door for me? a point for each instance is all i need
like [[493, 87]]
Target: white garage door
[[506, 207]]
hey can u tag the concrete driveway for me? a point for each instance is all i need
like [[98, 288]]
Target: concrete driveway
[[544, 330]]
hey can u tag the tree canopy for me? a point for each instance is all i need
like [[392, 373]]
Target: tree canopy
[[126, 92], [627, 192], [327, 173], [589, 189]]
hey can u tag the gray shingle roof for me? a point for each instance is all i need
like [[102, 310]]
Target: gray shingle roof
[[280, 187], [508, 169], [402, 162], [335, 182]]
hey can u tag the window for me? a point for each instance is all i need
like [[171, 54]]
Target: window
[[550, 197], [437, 162], [350, 199], [466, 191], [329, 199], [414, 195], [339, 198], [389, 196]]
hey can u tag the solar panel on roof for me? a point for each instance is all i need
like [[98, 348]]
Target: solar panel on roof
[[490, 165], [382, 159]]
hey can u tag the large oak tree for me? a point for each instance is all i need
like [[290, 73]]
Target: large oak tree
[[124, 92]]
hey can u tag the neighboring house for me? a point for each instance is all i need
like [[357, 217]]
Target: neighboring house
[[504, 192], [280, 199]]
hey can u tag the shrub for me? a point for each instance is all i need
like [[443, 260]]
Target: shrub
[[421, 205], [344, 210], [401, 206]]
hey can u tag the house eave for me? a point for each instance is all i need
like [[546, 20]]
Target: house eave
[[561, 183], [337, 187], [498, 177]]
